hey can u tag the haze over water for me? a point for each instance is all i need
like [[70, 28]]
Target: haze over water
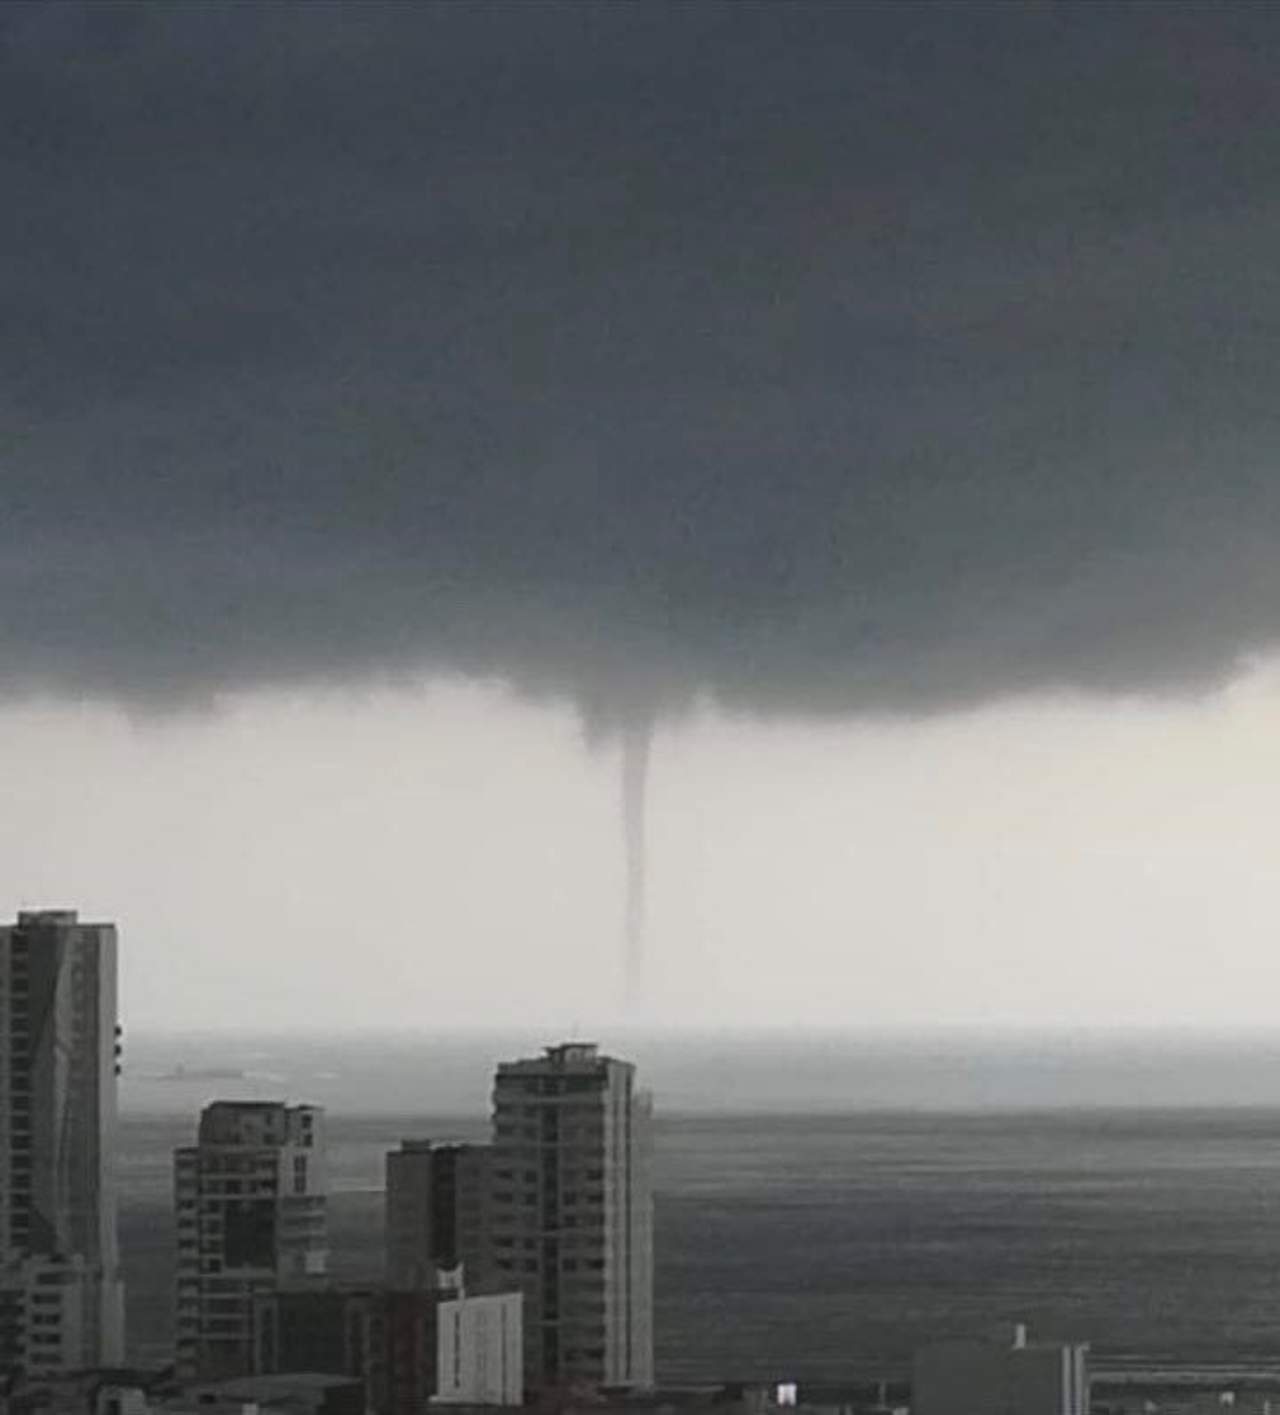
[[733, 1071]]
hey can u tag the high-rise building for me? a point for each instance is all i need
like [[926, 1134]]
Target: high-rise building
[[1017, 1377], [250, 1200], [60, 1287], [571, 1216], [436, 1200]]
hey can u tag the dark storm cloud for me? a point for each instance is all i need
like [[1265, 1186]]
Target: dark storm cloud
[[818, 356]]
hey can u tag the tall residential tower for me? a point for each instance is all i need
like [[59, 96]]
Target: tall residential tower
[[250, 1199], [571, 1216], [61, 1300]]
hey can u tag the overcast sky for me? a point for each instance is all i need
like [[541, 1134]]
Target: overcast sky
[[396, 401]]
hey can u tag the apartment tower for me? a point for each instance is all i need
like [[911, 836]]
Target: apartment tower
[[61, 1299], [250, 1201], [436, 1206], [571, 1216]]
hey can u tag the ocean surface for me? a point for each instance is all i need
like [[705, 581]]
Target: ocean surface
[[1119, 1193]]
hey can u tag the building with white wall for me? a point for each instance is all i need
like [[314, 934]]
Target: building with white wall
[[480, 1350]]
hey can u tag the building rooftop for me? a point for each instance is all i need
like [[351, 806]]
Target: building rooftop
[[567, 1056], [572, 1051], [245, 1107]]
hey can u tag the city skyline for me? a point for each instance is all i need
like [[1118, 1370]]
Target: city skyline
[[658, 626], [546, 1230], [530, 1258]]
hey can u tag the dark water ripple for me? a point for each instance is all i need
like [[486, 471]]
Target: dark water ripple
[[824, 1246]]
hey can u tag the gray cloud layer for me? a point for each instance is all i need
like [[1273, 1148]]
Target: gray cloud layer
[[821, 356]]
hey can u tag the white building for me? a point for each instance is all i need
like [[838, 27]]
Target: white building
[[59, 1263], [250, 1197], [571, 1216], [480, 1351], [1018, 1377]]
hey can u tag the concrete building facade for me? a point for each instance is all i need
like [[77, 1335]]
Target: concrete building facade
[[436, 1214], [250, 1198], [385, 1339], [571, 1216], [60, 1289]]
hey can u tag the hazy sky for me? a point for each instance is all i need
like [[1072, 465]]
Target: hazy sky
[[394, 399]]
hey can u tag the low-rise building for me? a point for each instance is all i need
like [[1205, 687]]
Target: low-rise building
[[1018, 1377], [292, 1393], [480, 1357], [385, 1339]]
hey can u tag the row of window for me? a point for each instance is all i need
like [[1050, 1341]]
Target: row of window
[[531, 1265], [548, 1085], [566, 1171], [570, 1198], [233, 1163]]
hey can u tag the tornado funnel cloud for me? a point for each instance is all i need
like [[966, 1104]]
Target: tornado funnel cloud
[[637, 743]]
